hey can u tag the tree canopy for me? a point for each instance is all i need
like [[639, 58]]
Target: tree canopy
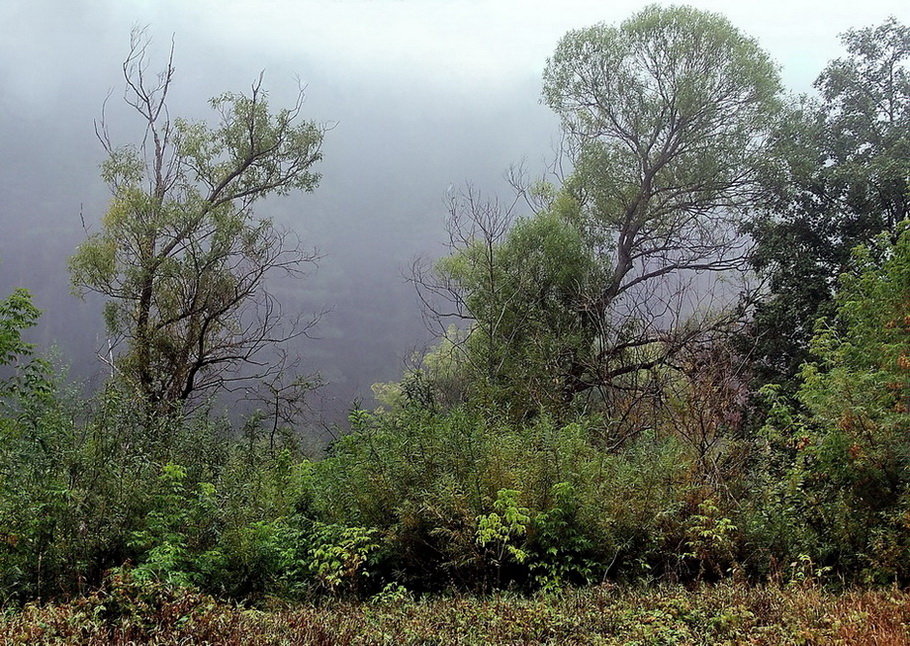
[[181, 256], [666, 119], [840, 178]]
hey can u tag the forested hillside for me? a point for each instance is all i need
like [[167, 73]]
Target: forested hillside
[[681, 357]]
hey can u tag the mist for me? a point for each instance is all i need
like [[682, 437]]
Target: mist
[[418, 98]]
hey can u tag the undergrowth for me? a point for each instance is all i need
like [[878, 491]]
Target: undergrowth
[[126, 611]]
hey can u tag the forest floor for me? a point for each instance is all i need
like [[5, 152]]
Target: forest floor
[[707, 614]]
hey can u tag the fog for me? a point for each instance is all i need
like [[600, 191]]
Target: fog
[[421, 96]]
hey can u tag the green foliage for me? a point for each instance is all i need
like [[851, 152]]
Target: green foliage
[[501, 529], [30, 385], [662, 82], [16, 314], [443, 490], [711, 539], [440, 378], [861, 381], [338, 554], [180, 256], [849, 472], [565, 551], [89, 487], [840, 179], [176, 517], [525, 301]]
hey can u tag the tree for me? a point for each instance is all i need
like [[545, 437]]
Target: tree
[[849, 437], [859, 384], [16, 314], [180, 256], [515, 281], [666, 119], [841, 179], [20, 372]]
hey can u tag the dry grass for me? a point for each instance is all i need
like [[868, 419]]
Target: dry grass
[[723, 614]]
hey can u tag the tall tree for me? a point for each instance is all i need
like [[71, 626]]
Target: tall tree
[[669, 116], [842, 178], [181, 256], [666, 119]]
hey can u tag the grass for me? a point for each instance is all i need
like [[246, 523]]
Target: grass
[[129, 613]]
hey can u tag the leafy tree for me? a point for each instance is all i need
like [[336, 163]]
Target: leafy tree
[[858, 389], [848, 474], [666, 118], [26, 378], [523, 291], [181, 256], [842, 178], [16, 314]]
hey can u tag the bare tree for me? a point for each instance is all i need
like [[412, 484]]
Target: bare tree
[[282, 399], [705, 404]]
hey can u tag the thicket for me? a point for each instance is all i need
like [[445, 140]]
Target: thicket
[[554, 440], [416, 499]]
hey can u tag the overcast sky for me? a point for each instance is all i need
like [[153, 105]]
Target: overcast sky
[[453, 47], [424, 95]]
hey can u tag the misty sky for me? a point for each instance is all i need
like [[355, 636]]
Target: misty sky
[[424, 95]]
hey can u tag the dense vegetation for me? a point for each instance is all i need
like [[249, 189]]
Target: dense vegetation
[[607, 402], [124, 614]]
